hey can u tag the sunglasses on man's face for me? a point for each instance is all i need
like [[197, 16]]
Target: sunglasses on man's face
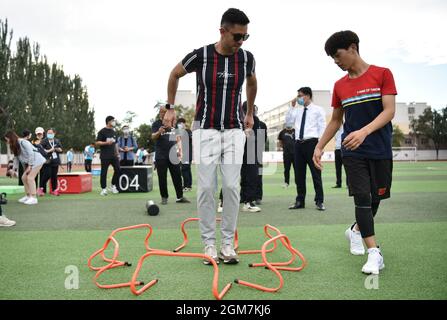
[[239, 36]]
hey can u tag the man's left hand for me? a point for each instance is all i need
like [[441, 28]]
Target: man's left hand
[[169, 119], [248, 121], [355, 139]]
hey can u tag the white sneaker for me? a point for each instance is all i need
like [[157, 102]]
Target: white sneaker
[[220, 208], [249, 207], [23, 200], [31, 201], [374, 263], [228, 255], [103, 192], [211, 251], [5, 222], [114, 190], [355, 241]]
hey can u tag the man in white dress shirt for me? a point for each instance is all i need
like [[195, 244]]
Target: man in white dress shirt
[[310, 123]]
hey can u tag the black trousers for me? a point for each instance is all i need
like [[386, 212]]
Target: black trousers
[[162, 171], [49, 172], [105, 163], [259, 186], [69, 166], [186, 175], [289, 160], [88, 165], [338, 166], [303, 158], [249, 182]]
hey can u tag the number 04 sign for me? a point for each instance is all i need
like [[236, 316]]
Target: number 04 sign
[[135, 179], [125, 184]]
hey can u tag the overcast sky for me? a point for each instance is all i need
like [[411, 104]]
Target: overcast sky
[[124, 50]]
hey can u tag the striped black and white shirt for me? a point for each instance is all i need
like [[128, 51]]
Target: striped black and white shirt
[[219, 86]]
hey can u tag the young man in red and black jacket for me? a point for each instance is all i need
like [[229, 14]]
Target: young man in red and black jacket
[[366, 98]]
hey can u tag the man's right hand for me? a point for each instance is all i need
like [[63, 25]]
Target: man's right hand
[[161, 130], [294, 102]]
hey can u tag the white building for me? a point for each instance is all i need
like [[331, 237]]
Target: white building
[[186, 98]]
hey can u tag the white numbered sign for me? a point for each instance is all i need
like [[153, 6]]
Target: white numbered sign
[[125, 183]]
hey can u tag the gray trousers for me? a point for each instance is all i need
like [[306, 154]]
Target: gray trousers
[[212, 149]]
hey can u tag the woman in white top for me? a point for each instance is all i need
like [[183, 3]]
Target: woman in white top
[[31, 160]]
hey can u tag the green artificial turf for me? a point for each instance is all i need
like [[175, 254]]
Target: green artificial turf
[[64, 231]]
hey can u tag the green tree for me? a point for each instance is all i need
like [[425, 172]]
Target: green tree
[[185, 112], [34, 93], [398, 136], [432, 124], [143, 134]]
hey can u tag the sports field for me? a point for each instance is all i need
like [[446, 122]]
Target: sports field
[[64, 231]]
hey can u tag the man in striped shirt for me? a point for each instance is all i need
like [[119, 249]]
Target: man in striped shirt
[[218, 137]]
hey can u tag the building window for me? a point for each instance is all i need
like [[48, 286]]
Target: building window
[[408, 141], [410, 110], [424, 141]]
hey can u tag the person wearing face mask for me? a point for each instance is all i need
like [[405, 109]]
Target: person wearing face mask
[[310, 123], [286, 140], [53, 148], [127, 146], [109, 154], [185, 135]]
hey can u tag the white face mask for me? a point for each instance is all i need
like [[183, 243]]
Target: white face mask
[[113, 123], [181, 126]]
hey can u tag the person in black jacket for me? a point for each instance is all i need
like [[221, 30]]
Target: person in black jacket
[[185, 135], [262, 134], [250, 166], [53, 148]]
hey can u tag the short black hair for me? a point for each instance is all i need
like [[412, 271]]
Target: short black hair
[[234, 16], [109, 118], [341, 40], [25, 133], [306, 91], [181, 120]]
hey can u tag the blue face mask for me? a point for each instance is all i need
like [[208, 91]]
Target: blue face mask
[[50, 136], [300, 101]]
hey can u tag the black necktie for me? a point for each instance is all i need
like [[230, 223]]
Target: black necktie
[[303, 122]]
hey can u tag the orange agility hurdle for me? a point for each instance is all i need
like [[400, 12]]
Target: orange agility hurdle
[[275, 267], [185, 234], [114, 262], [215, 285]]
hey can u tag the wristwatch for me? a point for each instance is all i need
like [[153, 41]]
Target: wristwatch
[[168, 106]]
